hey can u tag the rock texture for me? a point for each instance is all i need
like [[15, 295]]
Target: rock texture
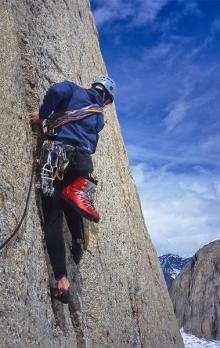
[[196, 293], [120, 297]]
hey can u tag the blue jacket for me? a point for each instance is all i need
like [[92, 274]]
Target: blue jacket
[[66, 96]]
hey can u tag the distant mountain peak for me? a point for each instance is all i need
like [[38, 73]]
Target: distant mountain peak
[[171, 265]]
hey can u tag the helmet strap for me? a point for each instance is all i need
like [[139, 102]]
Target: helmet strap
[[101, 90], [106, 97]]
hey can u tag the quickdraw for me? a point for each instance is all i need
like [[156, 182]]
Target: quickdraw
[[53, 162]]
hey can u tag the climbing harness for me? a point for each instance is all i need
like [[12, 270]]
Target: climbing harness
[[53, 162], [25, 209], [53, 159], [58, 119]]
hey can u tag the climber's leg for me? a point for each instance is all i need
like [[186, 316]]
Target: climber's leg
[[53, 229], [75, 224]]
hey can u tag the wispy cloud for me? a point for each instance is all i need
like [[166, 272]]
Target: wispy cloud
[[187, 107], [147, 11], [176, 114], [191, 7], [112, 10], [180, 196], [215, 26], [172, 88], [139, 12], [168, 106], [181, 211], [194, 159]]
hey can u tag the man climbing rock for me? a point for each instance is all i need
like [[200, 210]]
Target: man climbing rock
[[71, 117]]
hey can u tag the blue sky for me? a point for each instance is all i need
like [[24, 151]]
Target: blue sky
[[165, 58]]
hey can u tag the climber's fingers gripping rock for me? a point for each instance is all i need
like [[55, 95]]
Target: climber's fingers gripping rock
[[34, 117]]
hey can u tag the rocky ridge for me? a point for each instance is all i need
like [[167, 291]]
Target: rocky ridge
[[120, 297], [196, 293]]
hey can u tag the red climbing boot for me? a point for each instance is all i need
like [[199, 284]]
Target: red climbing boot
[[79, 195]]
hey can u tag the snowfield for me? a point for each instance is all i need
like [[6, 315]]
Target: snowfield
[[191, 341]]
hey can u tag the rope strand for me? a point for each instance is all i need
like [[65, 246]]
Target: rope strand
[[25, 210]]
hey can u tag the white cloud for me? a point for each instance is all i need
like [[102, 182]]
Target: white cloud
[[212, 143], [147, 11], [168, 155], [112, 10], [139, 12], [170, 76], [215, 26], [191, 7], [158, 52], [181, 210], [175, 81], [177, 113], [192, 96]]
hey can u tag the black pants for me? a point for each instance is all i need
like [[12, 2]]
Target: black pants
[[53, 210]]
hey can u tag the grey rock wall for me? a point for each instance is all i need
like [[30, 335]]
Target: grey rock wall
[[196, 293], [120, 298]]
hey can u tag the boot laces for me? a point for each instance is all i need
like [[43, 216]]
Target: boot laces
[[86, 195]]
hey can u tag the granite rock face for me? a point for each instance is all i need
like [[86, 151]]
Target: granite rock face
[[196, 293], [120, 297]]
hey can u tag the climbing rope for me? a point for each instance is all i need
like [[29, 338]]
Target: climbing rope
[[25, 210], [58, 119]]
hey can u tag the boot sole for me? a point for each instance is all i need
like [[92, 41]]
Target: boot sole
[[63, 297]]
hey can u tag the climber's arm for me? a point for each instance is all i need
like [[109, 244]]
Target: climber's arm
[[55, 94]]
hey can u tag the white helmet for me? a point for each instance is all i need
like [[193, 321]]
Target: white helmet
[[108, 83]]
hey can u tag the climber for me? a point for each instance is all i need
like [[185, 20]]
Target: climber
[[71, 117]]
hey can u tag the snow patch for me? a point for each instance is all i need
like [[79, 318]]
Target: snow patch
[[175, 273], [191, 341]]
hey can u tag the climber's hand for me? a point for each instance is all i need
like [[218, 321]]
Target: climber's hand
[[34, 117]]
